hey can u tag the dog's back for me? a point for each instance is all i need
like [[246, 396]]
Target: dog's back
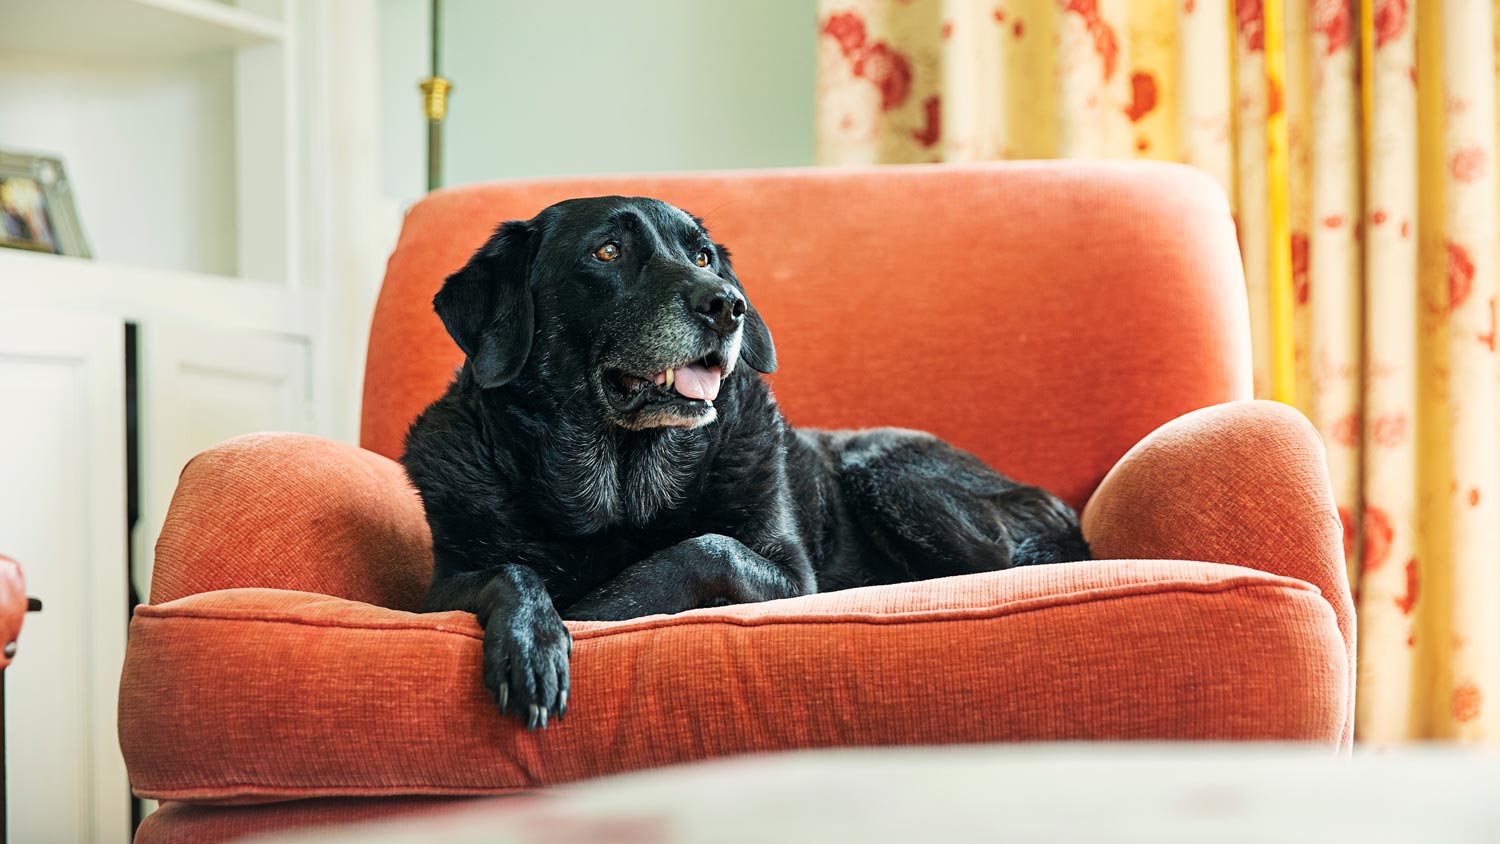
[[890, 505]]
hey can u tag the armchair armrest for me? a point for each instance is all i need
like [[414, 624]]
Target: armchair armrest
[[1244, 483], [290, 511]]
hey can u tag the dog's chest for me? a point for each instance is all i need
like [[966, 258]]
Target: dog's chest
[[579, 559], [600, 483]]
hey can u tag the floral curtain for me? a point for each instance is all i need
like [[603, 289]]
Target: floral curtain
[[1357, 144]]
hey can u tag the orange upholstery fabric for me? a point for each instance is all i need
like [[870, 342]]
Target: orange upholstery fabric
[[294, 512], [1049, 317], [1045, 316], [1244, 483], [310, 696], [12, 604]]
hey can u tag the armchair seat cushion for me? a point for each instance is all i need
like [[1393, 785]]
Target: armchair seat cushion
[[253, 695]]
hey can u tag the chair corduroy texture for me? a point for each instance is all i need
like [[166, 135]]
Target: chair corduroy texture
[[1078, 325]]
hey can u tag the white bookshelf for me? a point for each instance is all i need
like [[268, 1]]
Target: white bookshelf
[[140, 294], [134, 29], [178, 123], [224, 157]]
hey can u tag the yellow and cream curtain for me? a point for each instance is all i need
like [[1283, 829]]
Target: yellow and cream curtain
[[1357, 143]]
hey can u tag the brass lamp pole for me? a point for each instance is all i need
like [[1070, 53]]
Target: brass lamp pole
[[435, 104]]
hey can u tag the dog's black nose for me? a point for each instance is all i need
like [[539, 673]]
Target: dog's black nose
[[722, 305]]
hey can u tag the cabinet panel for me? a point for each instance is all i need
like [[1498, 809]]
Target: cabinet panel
[[62, 514], [197, 388]]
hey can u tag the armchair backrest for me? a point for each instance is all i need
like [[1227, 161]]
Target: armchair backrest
[[1044, 315]]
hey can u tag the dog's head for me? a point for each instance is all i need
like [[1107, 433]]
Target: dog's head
[[620, 300]]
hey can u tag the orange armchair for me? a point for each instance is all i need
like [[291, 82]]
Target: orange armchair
[[1081, 326]]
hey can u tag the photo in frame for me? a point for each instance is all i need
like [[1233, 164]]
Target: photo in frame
[[37, 211]]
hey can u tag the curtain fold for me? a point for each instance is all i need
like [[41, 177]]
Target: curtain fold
[[1357, 144], [1391, 364]]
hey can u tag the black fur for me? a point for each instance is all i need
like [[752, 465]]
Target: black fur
[[556, 486]]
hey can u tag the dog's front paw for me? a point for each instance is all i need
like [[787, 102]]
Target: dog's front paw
[[526, 667]]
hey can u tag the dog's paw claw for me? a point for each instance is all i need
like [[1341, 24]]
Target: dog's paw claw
[[526, 669]]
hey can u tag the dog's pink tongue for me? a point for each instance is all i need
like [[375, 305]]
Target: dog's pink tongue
[[698, 382]]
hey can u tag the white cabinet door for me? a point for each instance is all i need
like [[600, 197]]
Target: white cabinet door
[[62, 514], [198, 387]]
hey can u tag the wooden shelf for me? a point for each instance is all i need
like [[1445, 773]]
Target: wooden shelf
[[53, 282], [132, 29]]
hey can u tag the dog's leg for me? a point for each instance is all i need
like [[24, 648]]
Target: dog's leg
[[526, 646], [698, 572], [936, 510]]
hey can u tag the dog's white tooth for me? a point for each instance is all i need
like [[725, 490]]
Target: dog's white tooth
[[671, 378]]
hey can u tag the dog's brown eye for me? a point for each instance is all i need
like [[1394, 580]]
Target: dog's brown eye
[[608, 252], [703, 258]]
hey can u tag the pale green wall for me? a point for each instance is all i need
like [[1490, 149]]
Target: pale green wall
[[554, 87]]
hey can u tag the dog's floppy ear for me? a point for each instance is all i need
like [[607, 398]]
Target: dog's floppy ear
[[487, 308], [757, 348]]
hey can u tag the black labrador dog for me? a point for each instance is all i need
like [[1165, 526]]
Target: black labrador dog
[[608, 451]]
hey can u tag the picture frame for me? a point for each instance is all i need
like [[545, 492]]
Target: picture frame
[[37, 211]]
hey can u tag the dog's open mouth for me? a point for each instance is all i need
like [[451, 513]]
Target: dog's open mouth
[[694, 385]]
